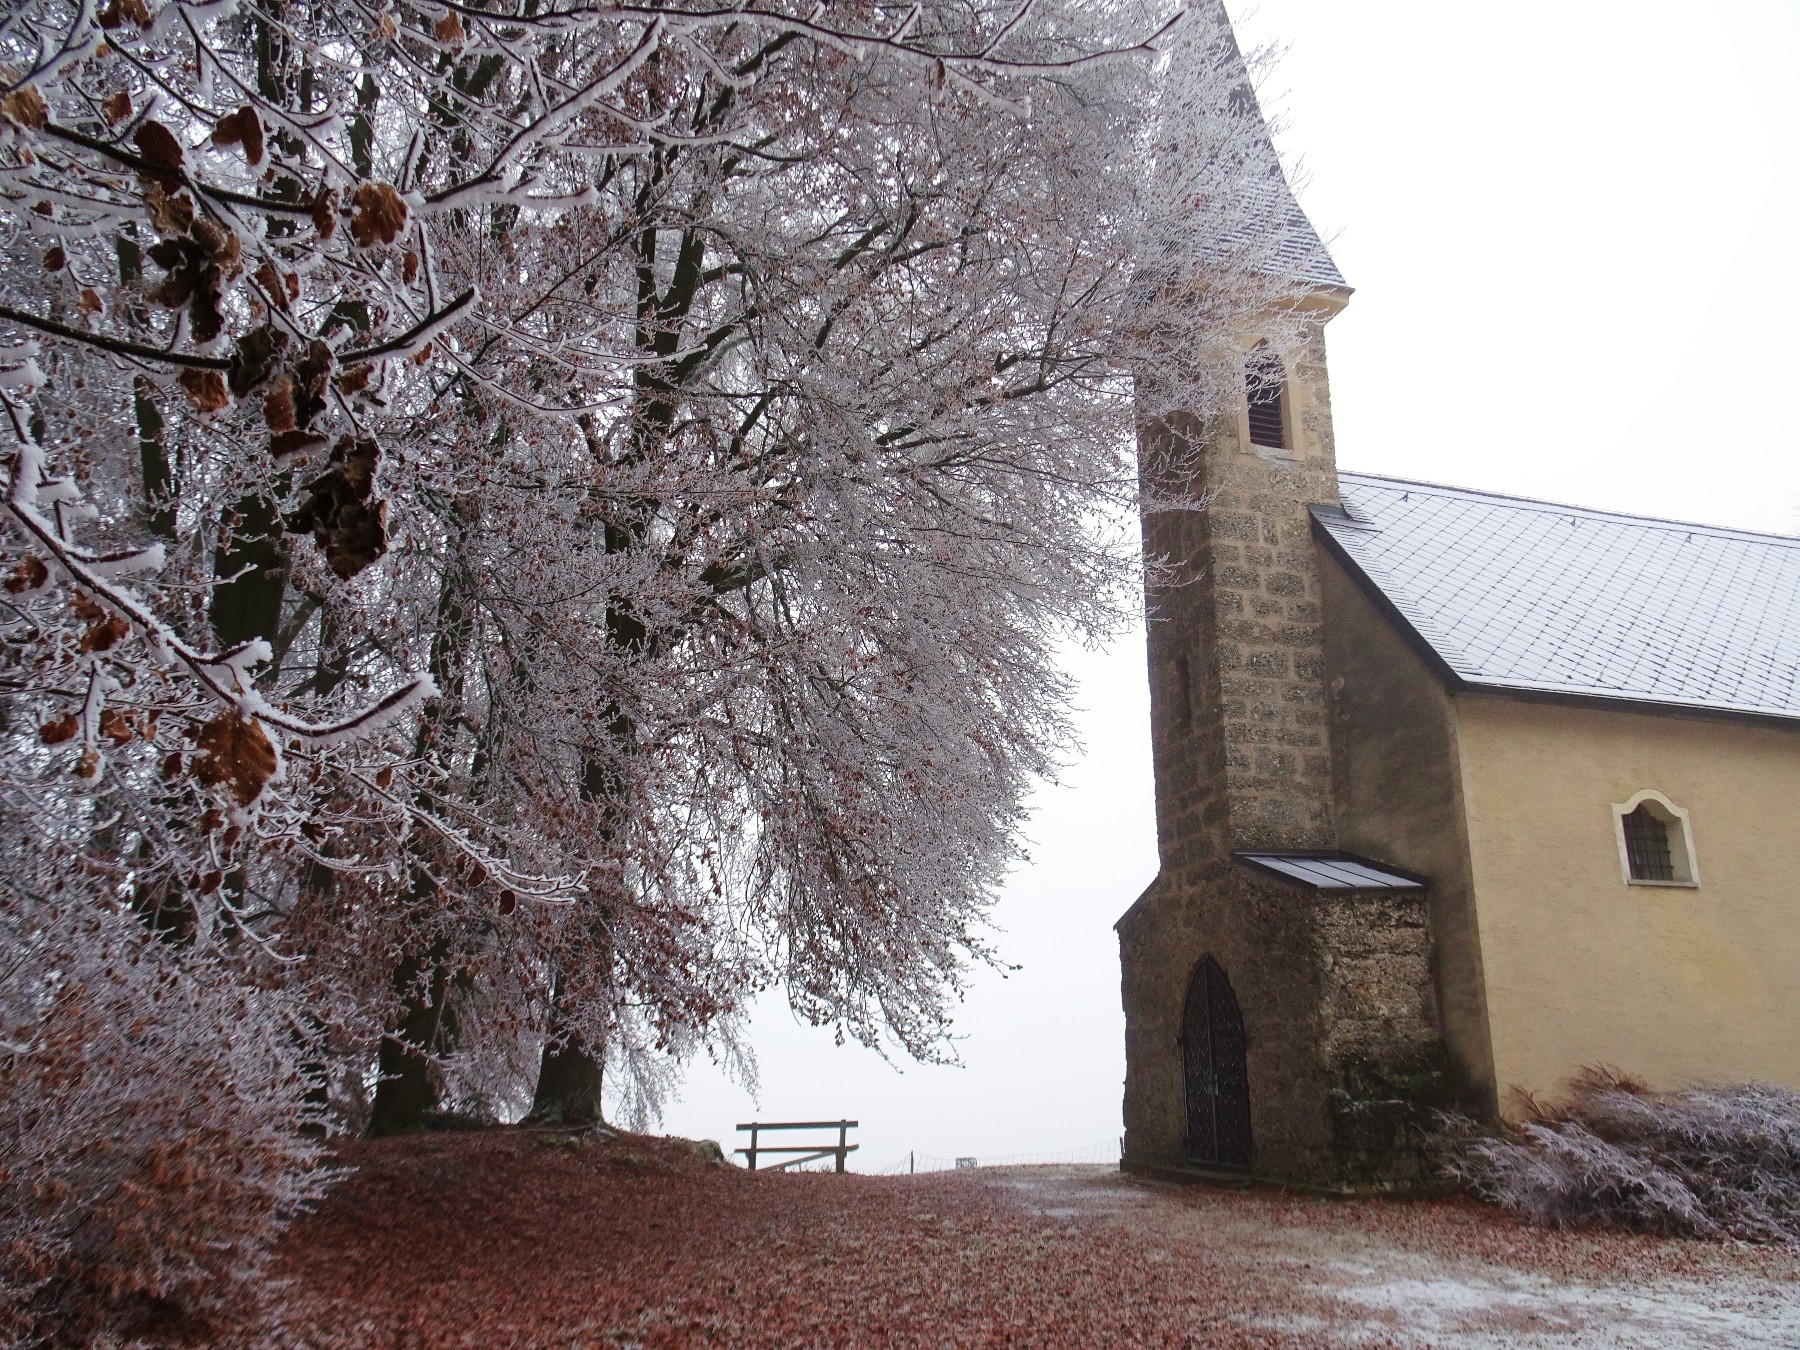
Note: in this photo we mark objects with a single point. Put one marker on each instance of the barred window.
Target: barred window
(1656, 841)
(1647, 846)
(1265, 388)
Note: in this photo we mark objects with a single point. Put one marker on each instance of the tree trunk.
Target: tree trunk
(568, 1086)
(406, 1090)
(254, 559)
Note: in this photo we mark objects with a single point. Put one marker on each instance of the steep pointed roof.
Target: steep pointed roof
(1269, 203)
(1509, 593)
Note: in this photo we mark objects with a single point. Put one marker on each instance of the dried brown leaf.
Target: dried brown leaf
(254, 358)
(244, 128)
(170, 213)
(118, 12)
(55, 259)
(235, 753)
(278, 406)
(325, 213)
(105, 635)
(25, 108)
(60, 729)
(268, 276)
(376, 213)
(212, 237)
(450, 29)
(340, 511)
(29, 574)
(157, 144)
(293, 442)
(206, 316)
(117, 726)
(205, 389)
(117, 107)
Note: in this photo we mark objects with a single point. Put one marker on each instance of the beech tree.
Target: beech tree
(532, 522)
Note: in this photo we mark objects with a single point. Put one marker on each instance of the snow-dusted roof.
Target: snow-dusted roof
(1527, 595)
(1267, 210)
(1298, 251)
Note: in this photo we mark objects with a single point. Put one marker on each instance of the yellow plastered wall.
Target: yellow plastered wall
(1674, 985)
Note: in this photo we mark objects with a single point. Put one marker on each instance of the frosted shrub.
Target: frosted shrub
(1721, 1161)
(150, 1142)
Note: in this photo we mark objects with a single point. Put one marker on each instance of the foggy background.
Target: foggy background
(1574, 237)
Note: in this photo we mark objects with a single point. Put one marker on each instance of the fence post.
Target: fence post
(912, 1162)
(753, 1148)
(843, 1138)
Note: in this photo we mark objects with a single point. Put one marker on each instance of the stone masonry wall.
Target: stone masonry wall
(1270, 649)
(1380, 1044)
(1336, 993)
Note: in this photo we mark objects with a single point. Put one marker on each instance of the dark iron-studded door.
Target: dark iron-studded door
(1218, 1077)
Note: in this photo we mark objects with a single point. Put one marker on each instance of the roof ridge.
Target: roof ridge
(1564, 508)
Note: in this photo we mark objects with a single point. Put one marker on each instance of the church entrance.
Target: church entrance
(1218, 1078)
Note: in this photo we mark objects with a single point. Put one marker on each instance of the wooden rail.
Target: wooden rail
(812, 1152)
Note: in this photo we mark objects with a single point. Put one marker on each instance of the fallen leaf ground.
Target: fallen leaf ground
(524, 1238)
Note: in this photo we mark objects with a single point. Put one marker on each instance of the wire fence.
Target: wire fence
(1106, 1151)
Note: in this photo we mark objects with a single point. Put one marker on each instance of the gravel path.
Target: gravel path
(514, 1238)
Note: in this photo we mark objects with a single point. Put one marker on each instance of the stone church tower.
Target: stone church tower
(1278, 993)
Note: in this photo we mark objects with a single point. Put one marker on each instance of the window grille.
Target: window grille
(1647, 846)
(1265, 389)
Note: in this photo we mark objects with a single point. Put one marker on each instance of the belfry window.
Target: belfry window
(1656, 842)
(1265, 390)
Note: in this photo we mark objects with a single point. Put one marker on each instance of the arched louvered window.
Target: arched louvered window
(1265, 389)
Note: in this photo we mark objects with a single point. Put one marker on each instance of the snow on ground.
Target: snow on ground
(1387, 1288)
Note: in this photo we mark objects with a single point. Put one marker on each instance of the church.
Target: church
(1456, 794)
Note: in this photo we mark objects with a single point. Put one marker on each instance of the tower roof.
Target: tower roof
(1268, 203)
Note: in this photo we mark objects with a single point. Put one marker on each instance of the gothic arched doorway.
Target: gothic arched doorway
(1214, 1064)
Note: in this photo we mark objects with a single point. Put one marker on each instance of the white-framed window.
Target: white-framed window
(1656, 841)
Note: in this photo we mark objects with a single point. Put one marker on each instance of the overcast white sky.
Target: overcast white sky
(1574, 233)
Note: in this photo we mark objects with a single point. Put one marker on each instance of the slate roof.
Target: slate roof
(1298, 251)
(1266, 209)
(1529, 595)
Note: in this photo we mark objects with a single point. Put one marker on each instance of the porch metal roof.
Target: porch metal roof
(1331, 871)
